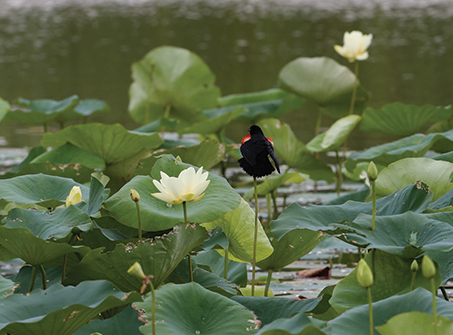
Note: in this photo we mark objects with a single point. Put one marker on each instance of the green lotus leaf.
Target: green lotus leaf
(70, 154)
(171, 82)
(92, 106)
(112, 143)
(272, 103)
(319, 79)
(272, 184)
(269, 309)
(206, 154)
(4, 108)
(60, 310)
(410, 170)
(32, 154)
(125, 322)
(239, 227)
(158, 257)
(44, 190)
(299, 324)
(49, 225)
(341, 106)
(42, 110)
(325, 218)
(412, 234)
(217, 119)
(398, 119)
(237, 272)
(445, 261)
(219, 199)
(23, 278)
(191, 309)
(293, 152)
(391, 274)
(290, 247)
(416, 323)
(334, 137)
(213, 282)
(7, 287)
(413, 146)
(418, 300)
(22, 243)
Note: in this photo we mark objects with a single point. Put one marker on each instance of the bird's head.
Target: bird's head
(255, 130)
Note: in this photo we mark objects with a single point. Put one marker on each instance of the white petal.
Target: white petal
(362, 56)
(367, 41)
(200, 188)
(165, 197)
(159, 186)
(175, 187)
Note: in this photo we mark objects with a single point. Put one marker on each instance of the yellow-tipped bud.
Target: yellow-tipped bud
(372, 172)
(428, 267)
(74, 197)
(414, 266)
(364, 274)
(134, 195)
(136, 270)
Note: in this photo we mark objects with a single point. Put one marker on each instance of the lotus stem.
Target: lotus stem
(137, 204)
(65, 259)
(225, 265)
(255, 236)
(33, 277)
(444, 293)
(373, 212)
(269, 211)
(274, 201)
(44, 277)
(45, 127)
(184, 206)
(434, 289)
(153, 307)
(268, 282)
(318, 123)
(354, 88)
(370, 310)
(339, 176)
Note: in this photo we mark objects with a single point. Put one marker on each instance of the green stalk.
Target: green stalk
(45, 127)
(274, 201)
(354, 89)
(255, 237)
(339, 175)
(44, 277)
(373, 213)
(434, 289)
(184, 206)
(413, 280)
(33, 277)
(137, 204)
(370, 310)
(268, 282)
(269, 211)
(65, 259)
(225, 265)
(153, 307)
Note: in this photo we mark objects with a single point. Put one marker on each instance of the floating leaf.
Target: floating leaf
(335, 136)
(191, 309)
(410, 170)
(413, 146)
(293, 152)
(173, 77)
(158, 257)
(319, 79)
(112, 143)
(47, 191)
(219, 199)
(239, 227)
(392, 276)
(398, 119)
(60, 310)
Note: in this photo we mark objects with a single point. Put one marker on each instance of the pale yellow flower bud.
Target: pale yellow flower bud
(74, 197)
(136, 270)
(364, 274)
(428, 267)
(135, 196)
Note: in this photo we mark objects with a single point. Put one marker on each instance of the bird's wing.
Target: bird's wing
(250, 149)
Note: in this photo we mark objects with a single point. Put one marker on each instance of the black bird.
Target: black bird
(258, 154)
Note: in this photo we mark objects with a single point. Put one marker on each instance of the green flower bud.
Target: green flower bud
(134, 195)
(372, 171)
(428, 267)
(364, 274)
(414, 266)
(136, 270)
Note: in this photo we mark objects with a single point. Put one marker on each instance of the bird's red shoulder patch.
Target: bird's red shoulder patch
(245, 139)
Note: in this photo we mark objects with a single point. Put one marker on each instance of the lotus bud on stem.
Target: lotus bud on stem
(365, 279)
(372, 176)
(137, 271)
(429, 272)
(135, 196)
(414, 269)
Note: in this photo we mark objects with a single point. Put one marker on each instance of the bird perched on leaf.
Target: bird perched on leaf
(258, 154)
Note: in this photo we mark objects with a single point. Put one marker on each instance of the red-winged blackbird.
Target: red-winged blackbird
(258, 154)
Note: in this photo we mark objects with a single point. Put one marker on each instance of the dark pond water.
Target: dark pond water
(53, 49)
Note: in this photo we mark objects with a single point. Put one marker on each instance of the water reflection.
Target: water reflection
(53, 49)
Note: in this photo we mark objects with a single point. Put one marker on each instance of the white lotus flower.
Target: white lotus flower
(74, 197)
(187, 187)
(354, 46)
